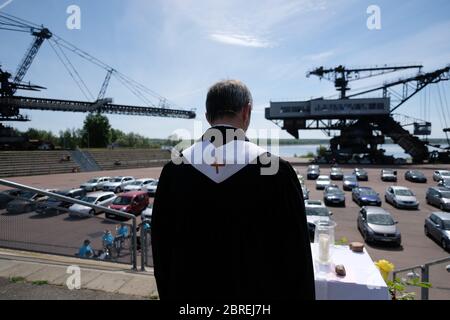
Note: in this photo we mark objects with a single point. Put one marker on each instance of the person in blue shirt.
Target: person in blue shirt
(122, 231)
(86, 250)
(107, 239)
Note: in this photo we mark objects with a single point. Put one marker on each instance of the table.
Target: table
(363, 280)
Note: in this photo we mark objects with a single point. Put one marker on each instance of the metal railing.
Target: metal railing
(425, 274)
(87, 204)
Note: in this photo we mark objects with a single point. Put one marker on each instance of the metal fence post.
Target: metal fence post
(425, 278)
(143, 247)
(134, 247)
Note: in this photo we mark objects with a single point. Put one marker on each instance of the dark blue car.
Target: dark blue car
(366, 196)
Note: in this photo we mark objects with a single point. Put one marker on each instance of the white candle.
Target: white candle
(324, 247)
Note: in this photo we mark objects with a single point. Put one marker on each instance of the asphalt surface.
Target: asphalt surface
(416, 248)
(59, 234)
(10, 290)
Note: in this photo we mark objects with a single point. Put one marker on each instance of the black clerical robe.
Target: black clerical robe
(238, 236)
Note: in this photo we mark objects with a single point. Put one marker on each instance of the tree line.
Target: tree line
(96, 133)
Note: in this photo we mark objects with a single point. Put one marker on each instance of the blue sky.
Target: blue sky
(178, 48)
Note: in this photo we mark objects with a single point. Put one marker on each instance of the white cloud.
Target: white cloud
(241, 40)
(321, 56)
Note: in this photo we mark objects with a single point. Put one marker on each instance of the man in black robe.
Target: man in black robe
(226, 225)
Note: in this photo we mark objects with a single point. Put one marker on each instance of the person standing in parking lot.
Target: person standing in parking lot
(228, 218)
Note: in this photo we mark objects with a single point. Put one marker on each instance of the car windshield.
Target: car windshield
(122, 200)
(117, 180)
(403, 192)
(26, 194)
(446, 225)
(368, 192)
(380, 219)
(360, 171)
(154, 183)
(317, 211)
(93, 181)
(89, 199)
(335, 191)
(445, 194)
(336, 170)
(350, 178)
(445, 174)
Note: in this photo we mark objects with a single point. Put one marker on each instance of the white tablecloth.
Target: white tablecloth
(362, 282)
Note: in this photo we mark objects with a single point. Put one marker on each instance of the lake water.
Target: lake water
(291, 150)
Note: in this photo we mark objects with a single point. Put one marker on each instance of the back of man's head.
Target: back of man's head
(226, 99)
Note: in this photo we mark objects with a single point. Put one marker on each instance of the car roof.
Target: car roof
(145, 179)
(364, 188)
(442, 215)
(99, 194)
(399, 188)
(314, 203)
(440, 189)
(131, 194)
(324, 176)
(375, 210)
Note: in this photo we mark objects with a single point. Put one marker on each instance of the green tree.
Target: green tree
(70, 139)
(43, 135)
(96, 131)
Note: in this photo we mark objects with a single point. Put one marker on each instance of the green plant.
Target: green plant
(341, 242)
(397, 288)
(16, 279)
(39, 282)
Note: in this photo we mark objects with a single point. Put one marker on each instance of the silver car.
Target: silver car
(118, 184)
(438, 175)
(444, 183)
(377, 225)
(322, 182)
(95, 184)
(389, 175)
(139, 184)
(315, 210)
(99, 198)
(439, 197)
(437, 226)
(401, 197)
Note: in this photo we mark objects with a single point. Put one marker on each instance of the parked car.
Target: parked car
(151, 188)
(437, 226)
(322, 182)
(439, 197)
(444, 183)
(147, 213)
(133, 202)
(350, 182)
(55, 206)
(301, 179)
(377, 225)
(415, 176)
(305, 192)
(28, 202)
(7, 196)
(118, 184)
(361, 174)
(313, 172)
(388, 175)
(332, 195)
(441, 174)
(95, 184)
(336, 173)
(99, 198)
(315, 210)
(401, 197)
(366, 196)
(139, 184)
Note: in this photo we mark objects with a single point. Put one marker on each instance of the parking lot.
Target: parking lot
(416, 247)
(65, 235)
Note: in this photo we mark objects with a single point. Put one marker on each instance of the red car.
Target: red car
(133, 202)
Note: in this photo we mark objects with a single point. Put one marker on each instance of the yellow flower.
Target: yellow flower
(385, 267)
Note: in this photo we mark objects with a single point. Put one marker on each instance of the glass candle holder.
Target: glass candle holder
(324, 239)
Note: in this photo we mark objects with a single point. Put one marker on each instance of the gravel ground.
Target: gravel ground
(28, 291)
